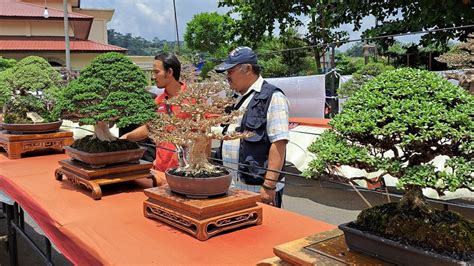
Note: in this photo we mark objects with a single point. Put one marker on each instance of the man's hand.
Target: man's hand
(268, 196)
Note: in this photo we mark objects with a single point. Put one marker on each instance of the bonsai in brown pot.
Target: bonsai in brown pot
(399, 122)
(111, 90)
(204, 106)
(29, 90)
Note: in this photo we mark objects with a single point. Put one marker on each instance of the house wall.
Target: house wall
(98, 31)
(33, 28)
(78, 60)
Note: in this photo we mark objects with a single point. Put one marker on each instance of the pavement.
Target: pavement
(321, 200)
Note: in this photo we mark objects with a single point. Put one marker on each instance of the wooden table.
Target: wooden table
(113, 230)
(17, 144)
(326, 248)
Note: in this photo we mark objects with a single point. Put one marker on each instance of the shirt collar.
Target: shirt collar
(256, 86)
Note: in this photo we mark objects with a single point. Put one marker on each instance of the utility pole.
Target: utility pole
(176, 23)
(66, 37)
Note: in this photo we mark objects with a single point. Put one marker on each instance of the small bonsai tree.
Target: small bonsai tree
(29, 86)
(462, 57)
(399, 122)
(204, 107)
(111, 90)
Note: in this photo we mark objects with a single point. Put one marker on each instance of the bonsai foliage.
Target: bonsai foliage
(462, 57)
(109, 91)
(399, 122)
(362, 76)
(202, 107)
(31, 85)
(411, 115)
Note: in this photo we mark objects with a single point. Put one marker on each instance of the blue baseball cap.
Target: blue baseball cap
(240, 55)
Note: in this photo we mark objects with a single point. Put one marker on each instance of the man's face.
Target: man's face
(237, 78)
(160, 75)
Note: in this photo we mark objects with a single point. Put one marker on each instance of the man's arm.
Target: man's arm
(276, 159)
(140, 133)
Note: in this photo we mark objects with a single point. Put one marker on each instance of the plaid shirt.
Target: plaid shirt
(277, 129)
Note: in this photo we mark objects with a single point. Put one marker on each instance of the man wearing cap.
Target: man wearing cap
(266, 114)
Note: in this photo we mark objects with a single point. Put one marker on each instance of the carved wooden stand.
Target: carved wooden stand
(17, 144)
(92, 178)
(203, 218)
(326, 248)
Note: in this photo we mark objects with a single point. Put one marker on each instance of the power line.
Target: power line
(365, 39)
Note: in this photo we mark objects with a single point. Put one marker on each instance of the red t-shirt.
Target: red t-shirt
(166, 159)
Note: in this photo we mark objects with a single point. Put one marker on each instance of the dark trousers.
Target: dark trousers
(279, 198)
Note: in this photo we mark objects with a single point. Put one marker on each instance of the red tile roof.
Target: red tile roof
(26, 10)
(14, 43)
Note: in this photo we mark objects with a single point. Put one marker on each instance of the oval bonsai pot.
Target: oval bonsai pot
(198, 187)
(393, 251)
(104, 158)
(32, 128)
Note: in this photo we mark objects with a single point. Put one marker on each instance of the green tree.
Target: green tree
(395, 17)
(109, 91)
(6, 63)
(366, 73)
(279, 58)
(414, 115)
(209, 33)
(32, 86)
(260, 17)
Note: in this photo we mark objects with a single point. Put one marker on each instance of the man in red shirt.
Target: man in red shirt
(166, 73)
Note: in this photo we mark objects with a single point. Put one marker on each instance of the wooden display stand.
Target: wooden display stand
(203, 218)
(17, 144)
(92, 178)
(326, 248)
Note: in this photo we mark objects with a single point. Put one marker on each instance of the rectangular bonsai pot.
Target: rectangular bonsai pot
(104, 158)
(392, 251)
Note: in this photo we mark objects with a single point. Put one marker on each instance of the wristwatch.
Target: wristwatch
(268, 188)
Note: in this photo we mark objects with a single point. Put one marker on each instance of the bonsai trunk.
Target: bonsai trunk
(414, 199)
(102, 131)
(198, 156)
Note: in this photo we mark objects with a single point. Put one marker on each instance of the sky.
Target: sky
(155, 18)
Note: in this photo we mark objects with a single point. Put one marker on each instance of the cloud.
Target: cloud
(153, 18)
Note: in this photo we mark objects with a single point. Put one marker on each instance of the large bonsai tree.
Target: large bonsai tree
(111, 90)
(462, 56)
(399, 122)
(361, 76)
(203, 107)
(29, 86)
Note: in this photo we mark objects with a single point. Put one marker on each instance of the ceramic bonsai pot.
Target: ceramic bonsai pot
(194, 187)
(104, 158)
(32, 128)
(392, 251)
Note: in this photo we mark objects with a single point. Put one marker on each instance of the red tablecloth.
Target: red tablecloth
(113, 230)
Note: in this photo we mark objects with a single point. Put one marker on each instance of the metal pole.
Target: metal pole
(66, 36)
(176, 23)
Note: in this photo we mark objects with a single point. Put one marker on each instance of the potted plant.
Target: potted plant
(462, 56)
(205, 107)
(399, 122)
(29, 91)
(111, 90)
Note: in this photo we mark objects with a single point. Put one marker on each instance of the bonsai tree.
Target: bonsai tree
(361, 76)
(111, 90)
(462, 57)
(204, 108)
(31, 85)
(399, 122)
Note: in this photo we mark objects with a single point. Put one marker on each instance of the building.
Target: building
(25, 31)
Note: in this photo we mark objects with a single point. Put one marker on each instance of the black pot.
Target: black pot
(392, 251)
